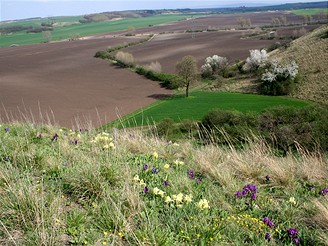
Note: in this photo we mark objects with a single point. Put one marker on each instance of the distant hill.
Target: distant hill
(310, 52)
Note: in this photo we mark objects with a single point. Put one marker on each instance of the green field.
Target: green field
(64, 32)
(310, 11)
(199, 103)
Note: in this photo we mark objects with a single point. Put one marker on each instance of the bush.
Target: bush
(214, 65)
(154, 67)
(125, 58)
(103, 54)
(187, 126)
(165, 127)
(279, 79)
(257, 59)
(169, 81)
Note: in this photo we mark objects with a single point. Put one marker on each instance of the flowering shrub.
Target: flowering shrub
(213, 65)
(279, 78)
(257, 59)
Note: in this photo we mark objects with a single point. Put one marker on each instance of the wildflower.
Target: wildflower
(105, 233)
(166, 166)
(104, 243)
(198, 180)
(155, 155)
(191, 174)
(267, 178)
(40, 136)
(253, 196)
(268, 236)
(324, 191)
(106, 146)
(188, 198)
(178, 163)
(292, 232)
(111, 145)
(146, 189)
(161, 193)
(145, 167)
(154, 170)
(166, 183)
(74, 141)
(203, 204)
(120, 234)
(178, 198)
(296, 241)
(238, 194)
(142, 183)
(292, 200)
(55, 137)
(136, 178)
(168, 199)
(6, 129)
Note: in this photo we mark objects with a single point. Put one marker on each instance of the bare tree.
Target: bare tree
(187, 69)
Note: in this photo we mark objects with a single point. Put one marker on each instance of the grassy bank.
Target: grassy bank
(315, 11)
(199, 103)
(61, 187)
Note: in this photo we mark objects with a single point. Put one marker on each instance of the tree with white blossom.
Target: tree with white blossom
(257, 58)
(213, 65)
(279, 78)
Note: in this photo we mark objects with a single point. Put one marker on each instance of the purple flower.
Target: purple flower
(40, 136)
(324, 191)
(6, 158)
(253, 196)
(266, 220)
(145, 167)
(191, 174)
(154, 170)
(238, 194)
(268, 236)
(55, 137)
(198, 180)
(146, 189)
(267, 178)
(74, 141)
(292, 232)
(243, 193)
(270, 223)
(296, 241)
(166, 183)
(6, 129)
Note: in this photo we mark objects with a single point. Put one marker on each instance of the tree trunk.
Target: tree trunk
(187, 89)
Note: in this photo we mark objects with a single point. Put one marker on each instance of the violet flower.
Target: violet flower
(324, 191)
(6, 129)
(145, 167)
(146, 189)
(191, 174)
(166, 183)
(154, 170)
(292, 232)
(268, 236)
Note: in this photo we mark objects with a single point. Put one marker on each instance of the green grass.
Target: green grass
(310, 11)
(89, 188)
(59, 33)
(199, 103)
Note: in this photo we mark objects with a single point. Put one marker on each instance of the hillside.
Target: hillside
(310, 52)
(63, 187)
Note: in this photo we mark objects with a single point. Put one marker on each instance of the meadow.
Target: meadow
(199, 103)
(86, 29)
(314, 11)
(121, 187)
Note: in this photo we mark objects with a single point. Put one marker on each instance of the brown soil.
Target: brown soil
(169, 48)
(65, 78)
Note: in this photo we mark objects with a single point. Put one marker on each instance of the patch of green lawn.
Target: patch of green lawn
(199, 103)
(315, 11)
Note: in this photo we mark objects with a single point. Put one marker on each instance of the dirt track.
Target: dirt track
(65, 78)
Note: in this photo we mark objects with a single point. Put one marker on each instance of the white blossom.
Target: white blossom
(257, 59)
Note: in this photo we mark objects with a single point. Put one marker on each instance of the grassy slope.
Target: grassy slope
(310, 52)
(59, 192)
(65, 32)
(199, 103)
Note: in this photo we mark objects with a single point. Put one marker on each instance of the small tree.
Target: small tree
(257, 58)
(214, 65)
(187, 69)
(47, 36)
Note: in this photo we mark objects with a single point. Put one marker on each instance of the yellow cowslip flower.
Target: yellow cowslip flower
(105, 233)
(120, 234)
(168, 199)
(179, 205)
(136, 178)
(179, 198)
(155, 155)
(178, 163)
(188, 198)
(203, 204)
(142, 183)
(106, 146)
(292, 200)
(111, 144)
(161, 193)
(175, 144)
(104, 243)
(156, 190)
(166, 166)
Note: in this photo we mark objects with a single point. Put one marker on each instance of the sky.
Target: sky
(21, 9)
